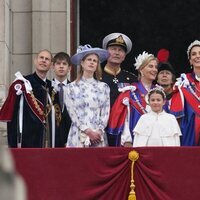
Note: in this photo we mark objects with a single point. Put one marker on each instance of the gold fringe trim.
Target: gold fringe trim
(133, 156)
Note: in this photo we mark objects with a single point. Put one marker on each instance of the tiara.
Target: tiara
(141, 58)
(157, 88)
(195, 43)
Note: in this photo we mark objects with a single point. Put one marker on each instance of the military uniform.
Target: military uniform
(112, 73)
(114, 81)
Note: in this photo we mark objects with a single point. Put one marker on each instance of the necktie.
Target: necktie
(61, 94)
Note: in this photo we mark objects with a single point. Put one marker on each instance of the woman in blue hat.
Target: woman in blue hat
(88, 100)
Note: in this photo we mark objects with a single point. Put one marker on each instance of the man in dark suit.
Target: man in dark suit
(61, 67)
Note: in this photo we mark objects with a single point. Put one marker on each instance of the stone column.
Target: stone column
(49, 25)
(26, 27)
(4, 58)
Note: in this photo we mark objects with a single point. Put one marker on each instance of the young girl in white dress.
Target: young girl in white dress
(157, 128)
(88, 100)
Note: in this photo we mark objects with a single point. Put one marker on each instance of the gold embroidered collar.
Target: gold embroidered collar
(109, 71)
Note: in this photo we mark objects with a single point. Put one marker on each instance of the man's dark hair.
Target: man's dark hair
(62, 56)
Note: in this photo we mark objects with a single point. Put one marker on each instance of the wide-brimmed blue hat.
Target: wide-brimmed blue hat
(82, 51)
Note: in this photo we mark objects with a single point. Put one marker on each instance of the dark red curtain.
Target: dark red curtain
(161, 173)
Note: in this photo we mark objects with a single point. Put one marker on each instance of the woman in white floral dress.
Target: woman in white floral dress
(88, 100)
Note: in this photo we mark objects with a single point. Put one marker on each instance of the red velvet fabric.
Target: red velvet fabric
(161, 173)
(7, 110)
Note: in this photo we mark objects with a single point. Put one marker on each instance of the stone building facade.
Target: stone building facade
(26, 27)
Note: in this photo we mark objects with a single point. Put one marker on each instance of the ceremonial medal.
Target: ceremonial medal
(115, 80)
(113, 72)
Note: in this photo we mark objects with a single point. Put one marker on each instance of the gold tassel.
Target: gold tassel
(133, 156)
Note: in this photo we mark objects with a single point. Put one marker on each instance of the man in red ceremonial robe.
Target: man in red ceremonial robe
(27, 107)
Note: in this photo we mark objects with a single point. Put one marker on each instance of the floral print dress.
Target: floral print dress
(88, 104)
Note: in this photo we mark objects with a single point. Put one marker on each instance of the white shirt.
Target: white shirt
(55, 84)
(157, 129)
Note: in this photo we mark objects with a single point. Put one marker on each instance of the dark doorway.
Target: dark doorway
(151, 25)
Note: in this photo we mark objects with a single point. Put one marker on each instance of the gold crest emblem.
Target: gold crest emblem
(120, 40)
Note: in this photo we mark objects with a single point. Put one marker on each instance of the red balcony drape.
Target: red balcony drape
(160, 173)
